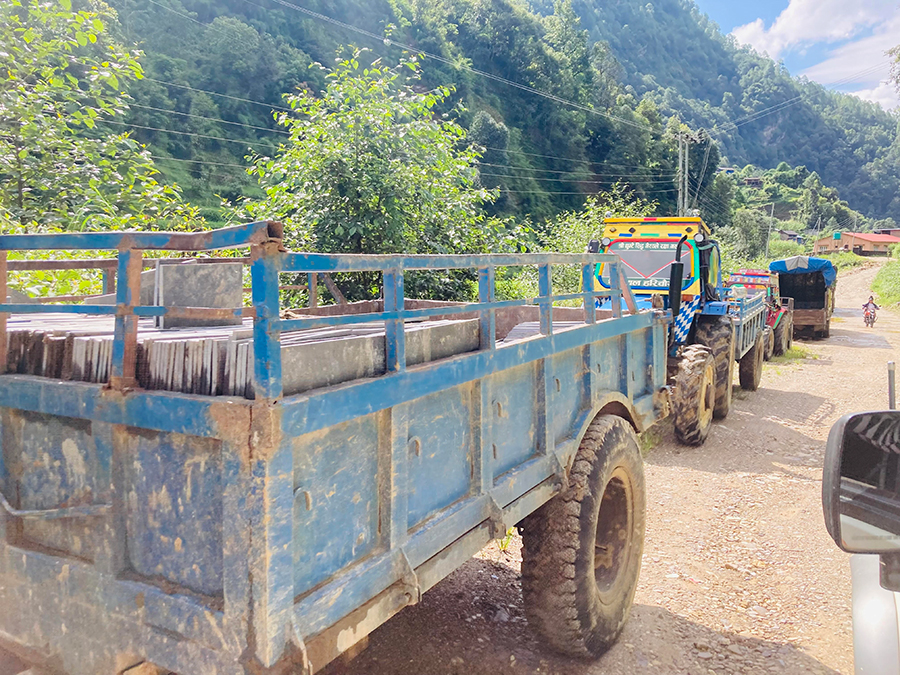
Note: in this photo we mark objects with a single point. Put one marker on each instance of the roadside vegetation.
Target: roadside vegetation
(887, 284)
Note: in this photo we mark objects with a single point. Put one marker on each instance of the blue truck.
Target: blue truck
(269, 528)
(674, 263)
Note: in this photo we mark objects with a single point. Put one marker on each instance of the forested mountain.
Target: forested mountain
(617, 76)
(673, 53)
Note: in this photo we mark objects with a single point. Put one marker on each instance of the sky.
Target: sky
(839, 43)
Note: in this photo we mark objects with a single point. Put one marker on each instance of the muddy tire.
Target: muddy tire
(582, 550)
(784, 335)
(694, 397)
(718, 335)
(768, 343)
(750, 369)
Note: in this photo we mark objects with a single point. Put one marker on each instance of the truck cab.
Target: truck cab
(647, 248)
(673, 264)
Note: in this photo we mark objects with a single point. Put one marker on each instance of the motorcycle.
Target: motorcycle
(869, 318)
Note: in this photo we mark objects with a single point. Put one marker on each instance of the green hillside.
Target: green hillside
(616, 77)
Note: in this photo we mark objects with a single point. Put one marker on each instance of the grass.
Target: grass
(795, 353)
(887, 283)
(649, 440)
(845, 260)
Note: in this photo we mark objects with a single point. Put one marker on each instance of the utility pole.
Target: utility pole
(771, 222)
(681, 174)
(685, 138)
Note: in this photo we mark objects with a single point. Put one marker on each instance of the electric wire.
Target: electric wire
(187, 133)
(456, 64)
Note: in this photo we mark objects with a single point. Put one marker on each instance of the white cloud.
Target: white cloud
(862, 66)
(806, 22)
(884, 94)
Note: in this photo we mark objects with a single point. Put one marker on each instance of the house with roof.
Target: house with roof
(790, 235)
(861, 243)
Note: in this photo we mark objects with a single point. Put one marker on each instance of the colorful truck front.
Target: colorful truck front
(674, 263)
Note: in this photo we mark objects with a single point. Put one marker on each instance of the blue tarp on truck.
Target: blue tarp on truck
(801, 264)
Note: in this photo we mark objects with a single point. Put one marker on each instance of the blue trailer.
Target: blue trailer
(272, 531)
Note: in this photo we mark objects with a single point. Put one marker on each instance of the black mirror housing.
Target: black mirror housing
(861, 482)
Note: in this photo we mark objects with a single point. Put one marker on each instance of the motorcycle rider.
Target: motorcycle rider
(870, 306)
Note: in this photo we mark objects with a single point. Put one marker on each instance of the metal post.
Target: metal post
(3, 315)
(590, 301)
(264, 269)
(395, 338)
(892, 388)
(128, 295)
(545, 288)
(486, 293)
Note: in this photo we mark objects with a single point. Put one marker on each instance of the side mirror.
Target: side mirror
(593, 246)
(861, 483)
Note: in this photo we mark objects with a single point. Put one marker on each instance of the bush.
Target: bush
(887, 284)
(845, 260)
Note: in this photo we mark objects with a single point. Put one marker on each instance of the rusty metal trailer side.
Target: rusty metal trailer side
(225, 535)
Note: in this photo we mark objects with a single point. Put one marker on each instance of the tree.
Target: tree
(748, 234)
(61, 80)
(370, 168)
(895, 68)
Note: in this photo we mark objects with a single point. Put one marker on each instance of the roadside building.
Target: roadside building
(861, 243)
(790, 235)
(892, 231)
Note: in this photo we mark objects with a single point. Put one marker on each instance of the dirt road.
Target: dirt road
(739, 575)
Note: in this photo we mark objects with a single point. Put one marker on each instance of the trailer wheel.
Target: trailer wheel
(582, 550)
(750, 370)
(784, 334)
(718, 335)
(694, 398)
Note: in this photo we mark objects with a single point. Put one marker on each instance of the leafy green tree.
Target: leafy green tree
(747, 236)
(371, 168)
(718, 203)
(61, 81)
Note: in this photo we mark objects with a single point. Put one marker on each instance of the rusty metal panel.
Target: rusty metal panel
(440, 446)
(336, 499)
(173, 508)
(569, 393)
(514, 417)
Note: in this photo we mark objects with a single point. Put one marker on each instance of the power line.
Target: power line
(531, 168)
(210, 119)
(575, 180)
(186, 133)
(215, 93)
(741, 121)
(457, 65)
(169, 9)
(200, 161)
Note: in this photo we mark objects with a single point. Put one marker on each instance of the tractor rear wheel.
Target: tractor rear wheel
(718, 335)
(694, 398)
(784, 335)
(750, 370)
(768, 343)
(581, 551)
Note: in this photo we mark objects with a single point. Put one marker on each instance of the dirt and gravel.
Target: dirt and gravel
(738, 576)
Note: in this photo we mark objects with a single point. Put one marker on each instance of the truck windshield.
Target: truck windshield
(647, 262)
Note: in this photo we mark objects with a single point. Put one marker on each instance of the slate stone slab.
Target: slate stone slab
(198, 285)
